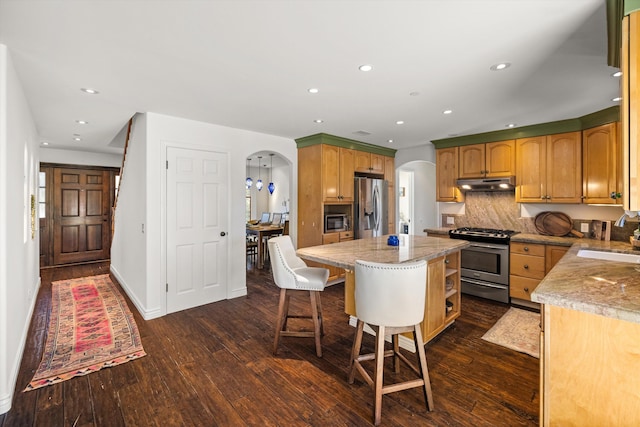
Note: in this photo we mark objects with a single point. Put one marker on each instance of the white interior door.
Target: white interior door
(197, 224)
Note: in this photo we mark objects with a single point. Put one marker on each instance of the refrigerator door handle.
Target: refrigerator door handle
(376, 208)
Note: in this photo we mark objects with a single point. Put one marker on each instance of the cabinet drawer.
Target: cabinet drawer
(330, 238)
(527, 249)
(521, 287)
(346, 235)
(527, 266)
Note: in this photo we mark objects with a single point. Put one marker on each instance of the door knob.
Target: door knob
(222, 233)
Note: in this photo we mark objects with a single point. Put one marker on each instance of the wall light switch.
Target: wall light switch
(450, 220)
(584, 227)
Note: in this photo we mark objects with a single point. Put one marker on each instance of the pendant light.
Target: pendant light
(259, 182)
(249, 181)
(271, 186)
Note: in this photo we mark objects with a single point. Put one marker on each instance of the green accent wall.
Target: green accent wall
(598, 118)
(324, 138)
(631, 6)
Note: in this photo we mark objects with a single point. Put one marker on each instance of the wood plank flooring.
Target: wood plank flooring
(213, 366)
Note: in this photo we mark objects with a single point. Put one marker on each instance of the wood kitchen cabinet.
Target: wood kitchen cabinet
(447, 175)
(389, 176)
(490, 160)
(337, 174)
(442, 306)
(588, 369)
(602, 165)
(549, 169)
(630, 110)
(335, 273)
(369, 162)
(528, 264)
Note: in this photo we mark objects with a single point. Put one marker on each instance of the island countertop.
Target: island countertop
(375, 249)
(606, 288)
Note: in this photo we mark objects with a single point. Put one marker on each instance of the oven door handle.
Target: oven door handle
(475, 245)
(481, 283)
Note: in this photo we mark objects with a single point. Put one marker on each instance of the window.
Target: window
(42, 195)
(247, 207)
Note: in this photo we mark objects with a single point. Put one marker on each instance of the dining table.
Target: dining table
(262, 231)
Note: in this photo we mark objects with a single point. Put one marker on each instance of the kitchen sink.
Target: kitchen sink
(609, 256)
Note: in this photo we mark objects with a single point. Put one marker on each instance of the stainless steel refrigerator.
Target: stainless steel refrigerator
(370, 217)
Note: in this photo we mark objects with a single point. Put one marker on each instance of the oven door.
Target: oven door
(488, 262)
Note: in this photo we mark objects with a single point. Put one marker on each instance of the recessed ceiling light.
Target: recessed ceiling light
(313, 90)
(511, 125)
(45, 143)
(400, 122)
(617, 74)
(318, 121)
(500, 66)
(447, 112)
(365, 67)
(77, 138)
(82, 122)
(390, 141)
(89, 90)
(617, 99)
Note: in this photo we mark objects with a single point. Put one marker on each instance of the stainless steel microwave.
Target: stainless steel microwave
(335, 222)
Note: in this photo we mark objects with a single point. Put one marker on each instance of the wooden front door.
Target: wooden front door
(81, 215)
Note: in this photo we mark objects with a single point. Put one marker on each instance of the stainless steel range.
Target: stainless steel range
(485, 262)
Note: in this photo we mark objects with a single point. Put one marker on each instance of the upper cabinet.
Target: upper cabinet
(630, 109)
(389, 176)
(447, 174)
(337, 174)
(602, 165)
(548, 169)
(490, 160)
(369, 162)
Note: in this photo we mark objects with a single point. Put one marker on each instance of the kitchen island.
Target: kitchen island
(443, 272)
(590, 339)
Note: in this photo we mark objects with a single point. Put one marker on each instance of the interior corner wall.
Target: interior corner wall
(129, 243)
(163, 131)
(19, 251)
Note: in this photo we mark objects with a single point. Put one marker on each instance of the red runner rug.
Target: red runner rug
(90, 328)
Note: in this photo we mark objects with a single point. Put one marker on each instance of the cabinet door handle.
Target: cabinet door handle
(526, 248)
(526, 266)
(526, 290)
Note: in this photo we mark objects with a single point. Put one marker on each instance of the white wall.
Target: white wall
(162, 131)
(19, 252)
(421, 161)
(85, 158)
(129, 244)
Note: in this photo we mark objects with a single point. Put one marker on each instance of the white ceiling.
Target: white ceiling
(248, 64)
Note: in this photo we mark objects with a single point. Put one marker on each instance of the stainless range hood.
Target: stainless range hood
(487, 184)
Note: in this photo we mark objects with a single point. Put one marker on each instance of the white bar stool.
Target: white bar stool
(291, 273)
(390, 298)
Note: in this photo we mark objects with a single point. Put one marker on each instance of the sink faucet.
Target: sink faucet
(620, 222)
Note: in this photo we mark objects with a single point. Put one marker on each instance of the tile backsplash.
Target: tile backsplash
(499, 210)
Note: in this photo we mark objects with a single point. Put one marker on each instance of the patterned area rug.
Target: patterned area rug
(518, 330)
(90, 328)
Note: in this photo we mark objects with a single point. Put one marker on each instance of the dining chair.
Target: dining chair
(390, 298)
(290, 273)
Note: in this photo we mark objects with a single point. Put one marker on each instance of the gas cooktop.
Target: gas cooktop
(482, 234)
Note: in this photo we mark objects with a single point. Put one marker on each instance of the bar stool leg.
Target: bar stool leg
(379, 371)
(282, 316)
(355, 350)
(317, 322)
(424, 371)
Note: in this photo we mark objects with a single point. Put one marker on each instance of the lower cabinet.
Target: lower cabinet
(589, 368)
(529, 263)
(335, 273)
(442, 304)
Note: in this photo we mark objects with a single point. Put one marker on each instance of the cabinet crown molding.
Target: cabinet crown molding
(609, 115)
(338, 141)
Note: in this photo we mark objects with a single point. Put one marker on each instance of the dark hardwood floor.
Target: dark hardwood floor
(213, 366)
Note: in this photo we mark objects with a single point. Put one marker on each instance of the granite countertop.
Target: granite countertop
(546, 240)
(437, 230)
(375, 249)
(606, 288)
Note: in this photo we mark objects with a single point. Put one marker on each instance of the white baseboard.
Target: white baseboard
(5, 401)
(144, 312)
(403, 341)
(235, 293)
